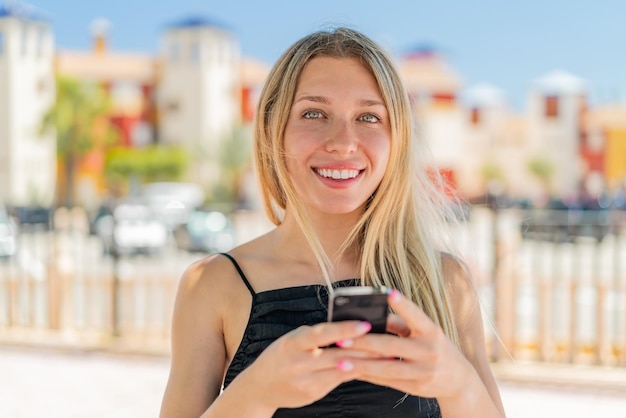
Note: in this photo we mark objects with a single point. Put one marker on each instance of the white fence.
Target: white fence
(547, 301)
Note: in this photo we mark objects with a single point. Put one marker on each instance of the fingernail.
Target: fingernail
(345, 365)
(345, 343)
(394, 295)
(363, 327)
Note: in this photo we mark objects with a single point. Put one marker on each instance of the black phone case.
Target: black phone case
(372, 308)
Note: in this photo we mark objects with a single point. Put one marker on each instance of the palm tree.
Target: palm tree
(543, 169)
(491, 173)
(79, 119)
(233, 157)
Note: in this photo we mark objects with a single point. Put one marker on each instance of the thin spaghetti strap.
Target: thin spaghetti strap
(243, 276)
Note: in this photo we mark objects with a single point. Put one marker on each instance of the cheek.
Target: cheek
(379, 152)
(292, 165)
(299, 144)
(295, 157)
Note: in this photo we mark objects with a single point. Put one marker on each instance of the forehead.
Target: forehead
(334, 72)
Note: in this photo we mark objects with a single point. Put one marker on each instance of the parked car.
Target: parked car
(8, 234)
(94, 218)
(562, 221)
(205, 232)
(132, 229)
(33, 217)
(172, 202)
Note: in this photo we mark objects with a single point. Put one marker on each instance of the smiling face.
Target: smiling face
(337, 139)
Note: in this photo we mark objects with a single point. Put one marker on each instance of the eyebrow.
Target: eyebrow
(324, 100)
(317, 99)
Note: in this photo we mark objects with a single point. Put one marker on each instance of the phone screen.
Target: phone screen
(362, 303)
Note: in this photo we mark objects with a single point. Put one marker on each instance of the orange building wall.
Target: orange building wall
(615, 156)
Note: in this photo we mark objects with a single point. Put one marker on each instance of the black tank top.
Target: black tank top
(276, 312)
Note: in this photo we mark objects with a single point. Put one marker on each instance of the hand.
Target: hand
(294, 371)
(419, 359)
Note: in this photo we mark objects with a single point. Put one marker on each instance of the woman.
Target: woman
(334, 149)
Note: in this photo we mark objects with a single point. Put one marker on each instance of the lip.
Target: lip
(342, 166)
(338, 183)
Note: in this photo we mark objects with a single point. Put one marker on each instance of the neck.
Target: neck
(331, 230)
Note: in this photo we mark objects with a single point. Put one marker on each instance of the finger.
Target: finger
(413, 315)
(389, 346)
(327, 333)
(343, 371)
(336, 359)
(344, 353)
(392, 373)
(397, 326)
(386, 370)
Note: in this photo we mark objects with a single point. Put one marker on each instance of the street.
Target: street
(62, 384)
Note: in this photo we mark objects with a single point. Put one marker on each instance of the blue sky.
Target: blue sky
(504, 43)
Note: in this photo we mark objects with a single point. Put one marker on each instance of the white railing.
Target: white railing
(548, 301)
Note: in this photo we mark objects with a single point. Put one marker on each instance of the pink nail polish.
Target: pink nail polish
(345, 365)
(345, 343)
(394, 295)
(363, 327)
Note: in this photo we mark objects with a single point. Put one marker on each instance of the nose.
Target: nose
(342, 139)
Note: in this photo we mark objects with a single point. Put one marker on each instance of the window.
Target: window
(443, 99)
(41, 41)
(24, 41)
(194, 52)
(551, 107)
(41, 86)
(172, 106)
(141, 134)
(126, 95)
(475, 116)
(596, 140)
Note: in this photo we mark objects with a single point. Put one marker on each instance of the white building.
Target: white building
(433, 89)
(199, 91)
(27, 159)
(495, 150)
(556, 106)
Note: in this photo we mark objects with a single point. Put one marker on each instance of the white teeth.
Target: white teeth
(337, 174)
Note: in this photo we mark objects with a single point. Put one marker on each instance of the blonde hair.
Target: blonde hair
(399, 235)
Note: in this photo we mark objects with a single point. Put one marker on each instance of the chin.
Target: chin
(338, 210)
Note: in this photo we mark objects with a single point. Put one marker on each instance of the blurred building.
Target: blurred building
(198, 89)
(496, 144)
(556, 106)
(604, 149)
(27, 89)
(433, 89)
(130, 80)
(481, 145)
(193, 93)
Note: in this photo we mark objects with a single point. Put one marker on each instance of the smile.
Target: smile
(337, 174)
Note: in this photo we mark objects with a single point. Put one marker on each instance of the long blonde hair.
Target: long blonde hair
(399, 236)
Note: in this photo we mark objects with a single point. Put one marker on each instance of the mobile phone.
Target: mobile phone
(364, 303)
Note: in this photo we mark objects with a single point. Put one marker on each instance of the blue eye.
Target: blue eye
(312, 114)
(370, 118)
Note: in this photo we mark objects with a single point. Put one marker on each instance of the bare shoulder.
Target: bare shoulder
(207, 278)
(462, 292)
(209, 294)
(466, 308)
(198, 352)
(465, 303)
(200, 300)
(457, 276)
